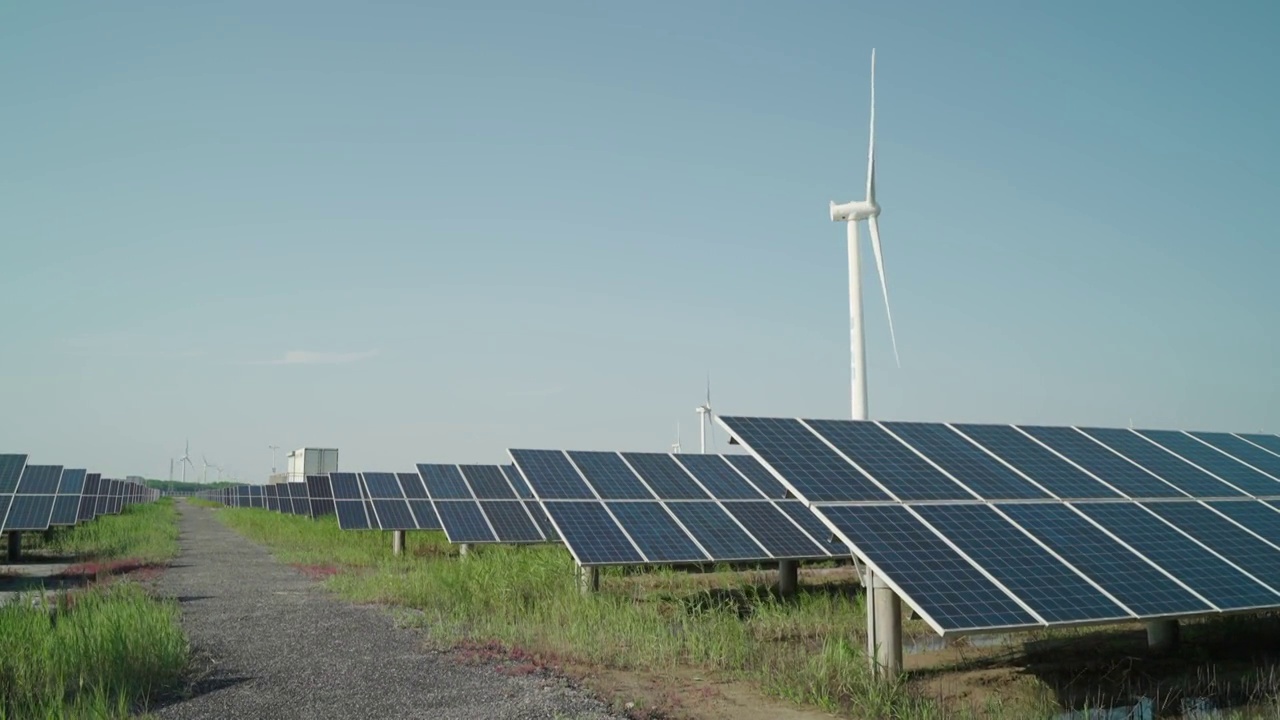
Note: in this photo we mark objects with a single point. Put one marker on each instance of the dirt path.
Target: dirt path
(269, 643)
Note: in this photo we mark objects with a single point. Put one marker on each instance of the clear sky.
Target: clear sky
(432, 231)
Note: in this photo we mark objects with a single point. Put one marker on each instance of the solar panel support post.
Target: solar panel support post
(463, 549)
(1162, 635)
(15, 546)
(884, 627)
(788, 577)
(397, 542)
(588, 579)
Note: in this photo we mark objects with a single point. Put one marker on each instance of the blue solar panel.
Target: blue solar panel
(5, 502)
(980, 472)
(1197, 568)
(592, 536)
(1118, 472)
(814, 470)
(65, 509)
(1260, 518)
(932, 577)
(716, 475)
(1224, 537)
(1243, 450)
(382, 485)
(352, 514)
(463, 521)
(774, 530)
(813, 526)
(444, 482)
(510, 521)
(40, 480)
(551, 475)
(1270, 443)
(1036, 462)
(894, 465)
(29, 512)
(1129, 578)
(665, 476)
(1054, 591)
(656, 533)
(10, 470)
(393, 514)
(412, 485)
(517, 481)
(346, 486)
(1177, 472)
(72, 482)
(1223, 467)
(717, 531)
(758, 474)
(540, 518)
(488, 482)
(424, 514)
(610, 477)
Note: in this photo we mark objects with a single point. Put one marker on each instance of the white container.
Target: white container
(311, 461)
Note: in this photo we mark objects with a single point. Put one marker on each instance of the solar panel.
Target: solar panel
(894, 465)
(591, 534)
(511, 521)
(813, 469)
(1209, 575)
(946, 590)
(1247, 551)
(478, 505)
(610, 476)
(1175, 471)
(352, 514)
(321, 495)
(1049, 587)
(1261, 519)
(757, 474)
(444, 482)
(719, 478)
(66, 505)
(1127, 477)
(39, 480)
(1242, 450)
(29, 512)
(10, 471)
(382, 485)
(984, 475)
(1270, 443)
(717, 531)
(665, 476)
(271, 497)
(656, 533)
(1211, 461)
(774, 530)
(487, 482)
(463, 522)
(1049, 470)
(517, 481)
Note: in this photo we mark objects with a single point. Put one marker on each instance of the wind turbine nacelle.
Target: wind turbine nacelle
(853, 211)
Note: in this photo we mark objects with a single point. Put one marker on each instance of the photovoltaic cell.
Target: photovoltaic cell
(463, 521)
(1270, 443)
(931, 576)
(444, 482)
(716, 531)
(1044, 583)
(412, 485)
(1260, 518)
(72, 482)
(320, 494)
(814, 470)
(540, 518)
(510, 521)
(517, 481)
(656, 533)
(716, 475)
(774, 530)
(65, 508)
(1130, 579)
(884, 458)
(1242, 450)
(29, 512)
(40, 480)
(424, 514)
(10, 471)
(1159, 461)
(487, 482)
(758, 474)
(1212, 461)
(610, 477)
(394, 514)
(812, 525)
(1197, 568)
(668, 480)
(551, 475)
(352, 514)
(1126, 477)
(1036, 462)
(1224, 537)
(382, 485)
(591, 534)
(980, 472)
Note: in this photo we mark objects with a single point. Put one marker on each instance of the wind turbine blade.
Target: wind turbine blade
(871, 150)
(874, 222)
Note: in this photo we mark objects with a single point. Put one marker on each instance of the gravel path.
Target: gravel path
(269, 643)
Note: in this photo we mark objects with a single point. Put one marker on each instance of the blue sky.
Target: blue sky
(432, 231)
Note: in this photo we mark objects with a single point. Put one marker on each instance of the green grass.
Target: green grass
(810, 649)
(147, 532)
(100, 652)
(97, 653)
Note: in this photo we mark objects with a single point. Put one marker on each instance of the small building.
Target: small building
(277, 478)
(311, 461)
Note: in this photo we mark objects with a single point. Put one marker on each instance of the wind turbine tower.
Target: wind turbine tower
(704, 419)
(884, 617)
(185, 460)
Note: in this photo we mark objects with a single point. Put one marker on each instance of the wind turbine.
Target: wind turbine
(205, 470)
(704, 418)
(851, 213)
(675, 446)
(185, 460)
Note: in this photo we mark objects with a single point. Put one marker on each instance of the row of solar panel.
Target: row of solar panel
(841, 461)
(37, 497)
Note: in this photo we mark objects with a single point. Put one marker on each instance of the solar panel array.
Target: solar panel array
(34, 498)
(655, 508)
(995, 527)
(484, 504)
(291, 498)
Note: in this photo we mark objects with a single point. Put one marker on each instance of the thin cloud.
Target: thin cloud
(310, 357)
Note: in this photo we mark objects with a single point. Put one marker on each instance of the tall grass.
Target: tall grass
(809, 649)
(147, 532)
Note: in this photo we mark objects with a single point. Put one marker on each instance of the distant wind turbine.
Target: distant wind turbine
(185, 460)
(675, 446)
(851, 213)
(704, 419)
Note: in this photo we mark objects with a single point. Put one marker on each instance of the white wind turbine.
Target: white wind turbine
(675, 446)
(851, 213)
(185, 460)
(704, 418)
(205, 470)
